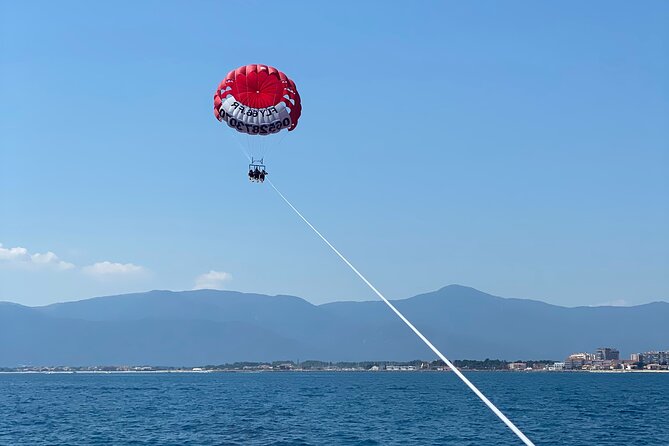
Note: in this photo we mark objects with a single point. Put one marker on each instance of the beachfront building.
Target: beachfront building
(556, 367)
(517, 366)
(400, 368)
(652, 357)
(604, 358)
(576, 361)
(607, 354)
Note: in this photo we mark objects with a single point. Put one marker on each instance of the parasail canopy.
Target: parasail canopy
(257, 100)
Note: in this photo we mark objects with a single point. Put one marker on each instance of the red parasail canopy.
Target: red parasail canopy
(248, 97)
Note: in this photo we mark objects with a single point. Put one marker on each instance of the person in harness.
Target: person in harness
(257, 172)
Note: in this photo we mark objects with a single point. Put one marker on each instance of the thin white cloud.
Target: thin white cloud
(213, 280)
(112, 269)
(13, 254)
(19, 256)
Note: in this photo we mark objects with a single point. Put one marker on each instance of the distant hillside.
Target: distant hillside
(213, 327)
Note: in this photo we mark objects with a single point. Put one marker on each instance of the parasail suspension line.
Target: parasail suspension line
(427, 342)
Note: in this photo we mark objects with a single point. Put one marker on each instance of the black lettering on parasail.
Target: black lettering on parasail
(255, 129)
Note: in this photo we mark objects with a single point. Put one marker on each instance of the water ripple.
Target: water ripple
(330, 408)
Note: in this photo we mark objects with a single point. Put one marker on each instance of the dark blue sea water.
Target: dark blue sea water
(331, 408)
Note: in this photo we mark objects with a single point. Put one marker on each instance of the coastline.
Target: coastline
(129, 372)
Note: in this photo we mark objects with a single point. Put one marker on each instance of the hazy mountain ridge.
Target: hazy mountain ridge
(209, 326)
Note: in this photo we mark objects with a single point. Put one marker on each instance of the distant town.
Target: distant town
(607, 358)
(603, 359)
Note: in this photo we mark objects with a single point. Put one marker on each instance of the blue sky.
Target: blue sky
(522, 150)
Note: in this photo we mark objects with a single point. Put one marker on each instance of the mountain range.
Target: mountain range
(214, 327)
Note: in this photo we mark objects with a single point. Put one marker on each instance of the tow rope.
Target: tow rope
(427, 342)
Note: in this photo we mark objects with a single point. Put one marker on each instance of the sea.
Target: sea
(332, 408)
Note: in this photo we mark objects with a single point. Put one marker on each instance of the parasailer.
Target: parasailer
(259, 101)
(257, 171)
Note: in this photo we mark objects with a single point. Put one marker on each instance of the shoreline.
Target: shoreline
(130, 372)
